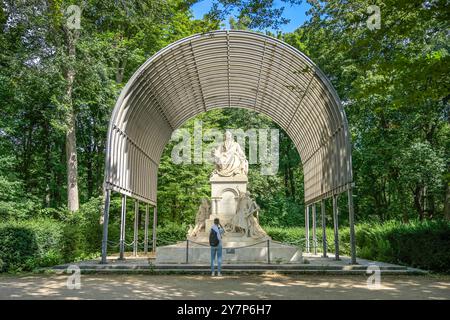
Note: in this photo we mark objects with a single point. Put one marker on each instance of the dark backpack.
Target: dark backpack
(213, 239)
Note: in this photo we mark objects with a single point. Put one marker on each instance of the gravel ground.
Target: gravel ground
(94, 286)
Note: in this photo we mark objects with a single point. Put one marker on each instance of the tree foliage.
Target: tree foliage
(393, 83)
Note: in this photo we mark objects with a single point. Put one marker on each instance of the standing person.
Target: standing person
(215, 241)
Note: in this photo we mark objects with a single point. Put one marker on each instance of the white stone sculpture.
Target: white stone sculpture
(244, 221)
(230, 201)
(200, 219)
(229, 158)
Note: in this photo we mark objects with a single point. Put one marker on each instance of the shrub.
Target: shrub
(89, 232)
(171, 233)
(294, 236)
(45, 241)
(25, 245)
(418, 244)
(41, 242)
(424, 245)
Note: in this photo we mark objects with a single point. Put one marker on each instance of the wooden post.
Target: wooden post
(123, 217)
(351, 219)
(324, 228)
(105, 226)
(336, 227)
(146, 230)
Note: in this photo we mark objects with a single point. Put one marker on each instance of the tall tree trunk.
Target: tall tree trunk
(71, 139)
(27, 157)
(72, 166)
(89, 169)
(99, 166)
(59, 174)
(48, 178)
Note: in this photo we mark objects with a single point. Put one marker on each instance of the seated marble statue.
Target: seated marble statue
(202, 214)
(229, 158)
(244, 221)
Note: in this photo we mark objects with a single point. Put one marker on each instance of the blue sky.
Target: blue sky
(297, 13)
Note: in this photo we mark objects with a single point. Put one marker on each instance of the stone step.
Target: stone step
(194, 267)
(276, 267)
(207, 271)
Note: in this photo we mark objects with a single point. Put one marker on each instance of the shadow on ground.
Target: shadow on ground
(227, 287)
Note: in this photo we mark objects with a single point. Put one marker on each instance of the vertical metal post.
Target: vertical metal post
(268, 251)
(146, 230)
(123, 216)
(105, 226)
(187, 251)
(336, 227)
(351, 214)
(136, 228)
(307, 227)
(155, 214)
(314, 235)
(324, 228)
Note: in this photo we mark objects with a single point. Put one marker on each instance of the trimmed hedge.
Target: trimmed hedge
(424, 245)
(47, 241)
(25, 245)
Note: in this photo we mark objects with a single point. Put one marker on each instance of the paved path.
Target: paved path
(228, 287)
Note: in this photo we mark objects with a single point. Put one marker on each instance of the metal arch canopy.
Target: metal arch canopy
(225, 69)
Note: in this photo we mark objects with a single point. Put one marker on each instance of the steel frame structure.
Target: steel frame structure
(226, 69)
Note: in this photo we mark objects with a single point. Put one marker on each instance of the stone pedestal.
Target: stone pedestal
(257, 253)
(224, 195)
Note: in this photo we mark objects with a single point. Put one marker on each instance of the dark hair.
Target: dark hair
(216, 221)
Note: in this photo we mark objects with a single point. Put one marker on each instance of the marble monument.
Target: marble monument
(230, 201)
(244, 241)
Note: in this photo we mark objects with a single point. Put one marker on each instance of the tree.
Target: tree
(421, 170)
(391, 83)
(59, 85)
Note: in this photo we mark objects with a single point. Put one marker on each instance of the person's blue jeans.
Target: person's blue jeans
(216, 251)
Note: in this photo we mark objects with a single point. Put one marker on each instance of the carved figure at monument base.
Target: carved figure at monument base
(203, 213)
(245, 221)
